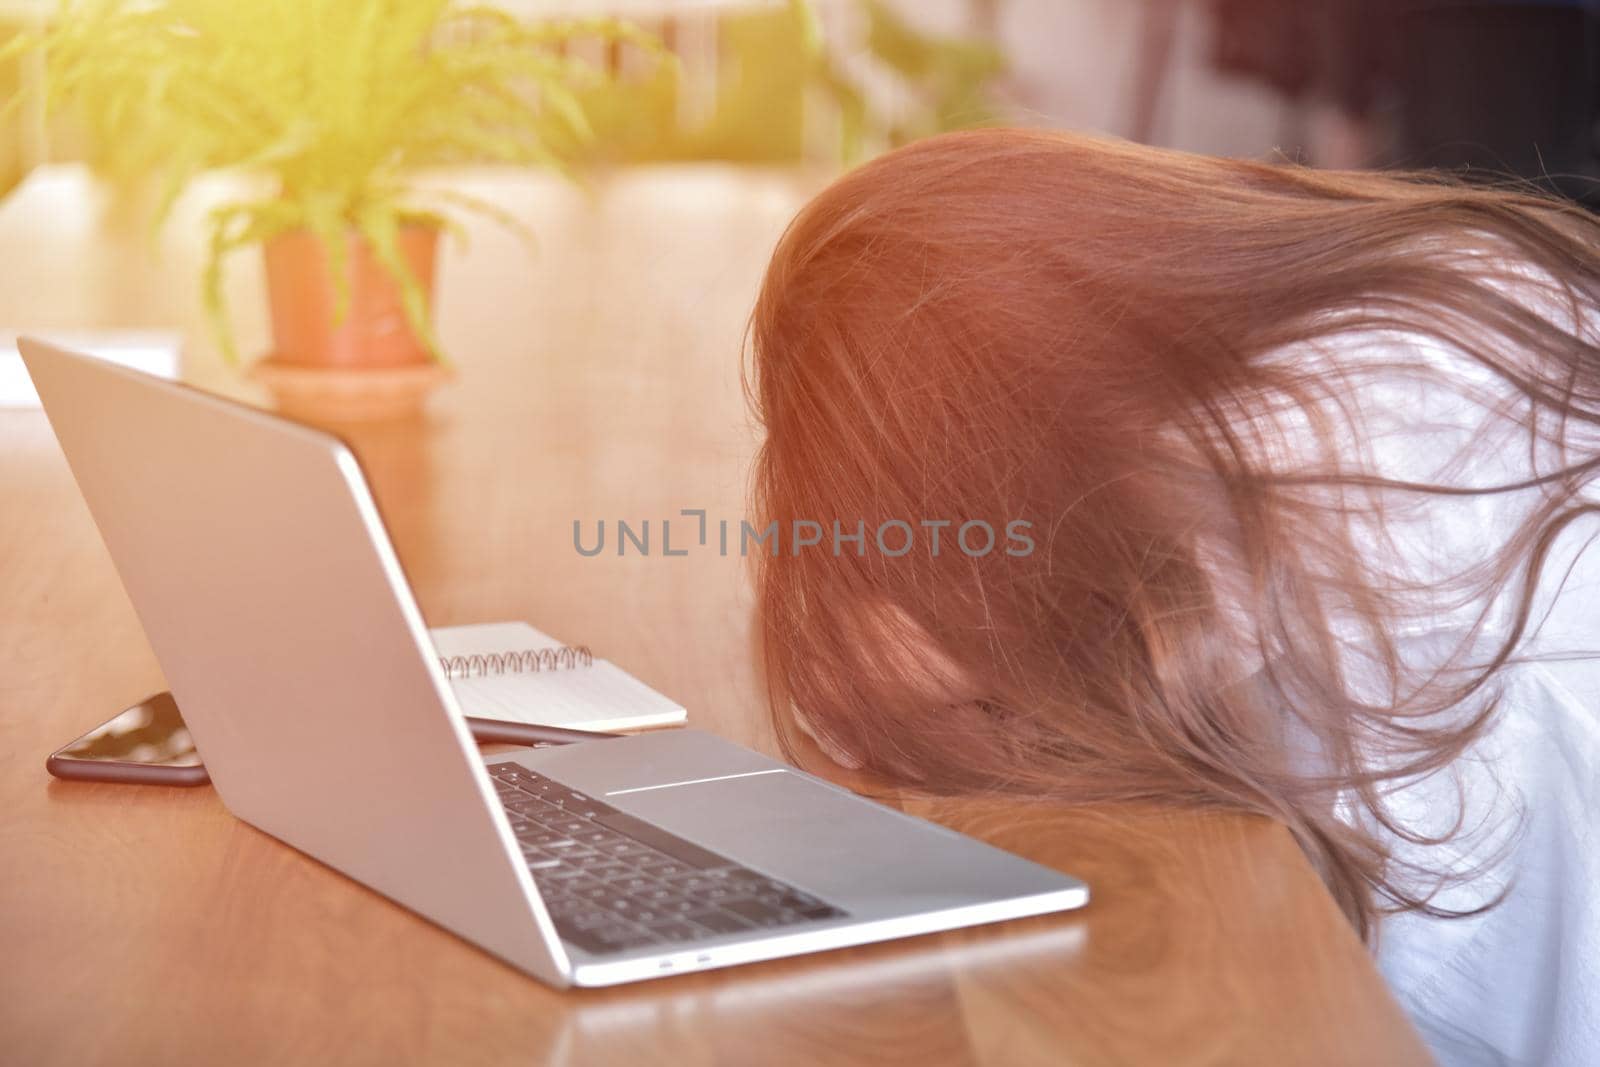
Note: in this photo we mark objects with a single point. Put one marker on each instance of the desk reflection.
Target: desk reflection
(877, 995)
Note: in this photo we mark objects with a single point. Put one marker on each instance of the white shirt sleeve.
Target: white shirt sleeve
(1519, 984)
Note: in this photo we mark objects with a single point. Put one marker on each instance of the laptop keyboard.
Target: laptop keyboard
(613, 882)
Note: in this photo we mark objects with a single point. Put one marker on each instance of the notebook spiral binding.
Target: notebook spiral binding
(523, 661)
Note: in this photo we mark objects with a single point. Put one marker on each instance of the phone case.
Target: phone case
(82, 770)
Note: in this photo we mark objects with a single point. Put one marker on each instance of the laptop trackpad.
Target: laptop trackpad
(854, 853)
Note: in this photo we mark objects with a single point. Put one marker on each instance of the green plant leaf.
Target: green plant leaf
(232, 227)
(379, 225)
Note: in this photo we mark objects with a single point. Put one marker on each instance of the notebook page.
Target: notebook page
(601, 697)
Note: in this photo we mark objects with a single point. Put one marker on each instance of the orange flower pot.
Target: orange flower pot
(369, 363)
(306, 328)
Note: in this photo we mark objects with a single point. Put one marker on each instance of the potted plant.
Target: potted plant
(337, 103)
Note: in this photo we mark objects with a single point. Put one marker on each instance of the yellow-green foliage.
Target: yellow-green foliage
(774, 63)
(11, 162)
(339, 100)
(948, 80)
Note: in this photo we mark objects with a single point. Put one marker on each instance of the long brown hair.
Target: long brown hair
(1088, 336)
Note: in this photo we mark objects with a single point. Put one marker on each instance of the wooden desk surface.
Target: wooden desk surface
(598, 380)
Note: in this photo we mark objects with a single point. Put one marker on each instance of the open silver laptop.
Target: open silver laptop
(265, 581)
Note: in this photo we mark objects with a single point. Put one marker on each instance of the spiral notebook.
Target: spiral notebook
(510, 671)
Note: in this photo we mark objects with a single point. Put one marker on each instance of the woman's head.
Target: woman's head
(1020, 389)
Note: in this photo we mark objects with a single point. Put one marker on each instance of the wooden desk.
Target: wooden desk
(598, 380)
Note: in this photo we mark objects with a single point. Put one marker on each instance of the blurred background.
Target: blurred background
(1509, 86)
(750, 105)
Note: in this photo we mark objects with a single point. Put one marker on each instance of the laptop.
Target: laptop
(256, 559)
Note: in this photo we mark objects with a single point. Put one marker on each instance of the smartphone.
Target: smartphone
(145, 743)
(149, 743)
